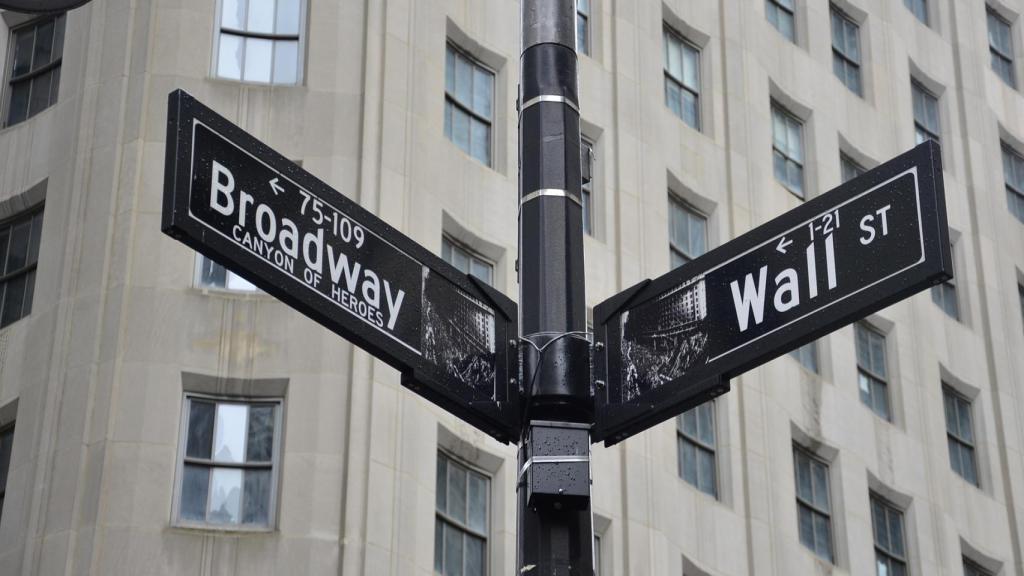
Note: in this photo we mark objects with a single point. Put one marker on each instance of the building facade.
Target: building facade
(159, 416)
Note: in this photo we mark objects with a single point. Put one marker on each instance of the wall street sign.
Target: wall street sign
(242, 204)
(672, 343)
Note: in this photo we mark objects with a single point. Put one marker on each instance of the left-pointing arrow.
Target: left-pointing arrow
(276, 187)
(781, 247)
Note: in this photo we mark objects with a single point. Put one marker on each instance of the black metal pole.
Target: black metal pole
(555, 530)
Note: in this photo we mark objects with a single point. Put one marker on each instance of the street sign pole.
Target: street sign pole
(555, 531)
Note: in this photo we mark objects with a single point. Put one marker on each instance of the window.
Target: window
(872, 373)
(19, 254)
(587, 190)
(682, 78)
(36, 52)
(960, 434)
(1000, 46)
(788, 150)
(814, 508)
(807, 355)
(973, 569)
(466, 261)
(781, 14)
(849, 168)
(944, 294)
(890, 551)
(919, 9)
(1013, 175)
(695, 430)
(259, 41)
(846, 50)
(688, 232)
(926, 114)
(583, 27)
(468, 102)
(6, 447)
(1020, 296)
(228, 476)
(597, 554)
(460, 525)
(209, 274)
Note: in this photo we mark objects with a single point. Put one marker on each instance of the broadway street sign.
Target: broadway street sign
(232, 198)
(673, 343)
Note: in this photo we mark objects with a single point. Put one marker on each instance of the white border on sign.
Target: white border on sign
(920, 227)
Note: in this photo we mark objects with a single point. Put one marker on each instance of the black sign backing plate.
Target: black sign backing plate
(242, 204)
(672, 343)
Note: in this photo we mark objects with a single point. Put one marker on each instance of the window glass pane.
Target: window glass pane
(286, 62)
(477, 503)
(805, 522)
(674, 63)
(481, 141)
(452, 551)
(236, 282)
(449, 70)
(803, 477)
(706, 471)
(582, 41)
(229, 433)
(673, 98)
(969, 468)
(17, 255)
(460, 128)
(880, 396)
(30, 284)
(481, 270)
(456, 492)
(200, 429)
(195, 483)
(881, 527)
(819, 476)
(438, 545)
(442, 484)
(260, 437)
(18, 107)
(691, 68)
(6, 446)
(15, 297)
(706, 423)
(233, 14)
(287, 17)
(23, 51)
(40, 94)
(257, 59)
(58, 38)
(256, 508)
(896, 532)
(229, 57)
(463, 80)
(964, 412)
(261, 16)
(448, 118)
(474, 556)
(689, 460)
(482, 90)
(33, 245)
(43, 45)
(690, 422)
(225, 496)
(690, 113)
(823, 536)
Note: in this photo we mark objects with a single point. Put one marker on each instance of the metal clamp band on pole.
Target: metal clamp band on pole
(550, 460)
(551, 192)
(549, 98)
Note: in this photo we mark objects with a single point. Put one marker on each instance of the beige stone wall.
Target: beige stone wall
(96, 369)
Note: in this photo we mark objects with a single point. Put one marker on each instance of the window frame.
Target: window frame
(197, 281)
(787, 118)
(840, 52)
(885, 552)
(588, 158)
(947, 291)
(972, 568)
(996, 52)
(300, 66)
(811, 506)
(960, 400)
(583, 16)
(691, 212)
(925, 16)
(8, 224)
(56, 62)
(777, 7)
(1014, 190)
(472, 255)
(450, 97)
(464, 527)
(670, 33)
(928, 97)
(868, 372)
(847, 163)
(182, 458)
(7, 428)
(699, 445)
(800, 354)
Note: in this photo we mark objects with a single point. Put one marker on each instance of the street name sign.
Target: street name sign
(672, 343)
(240, 203)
